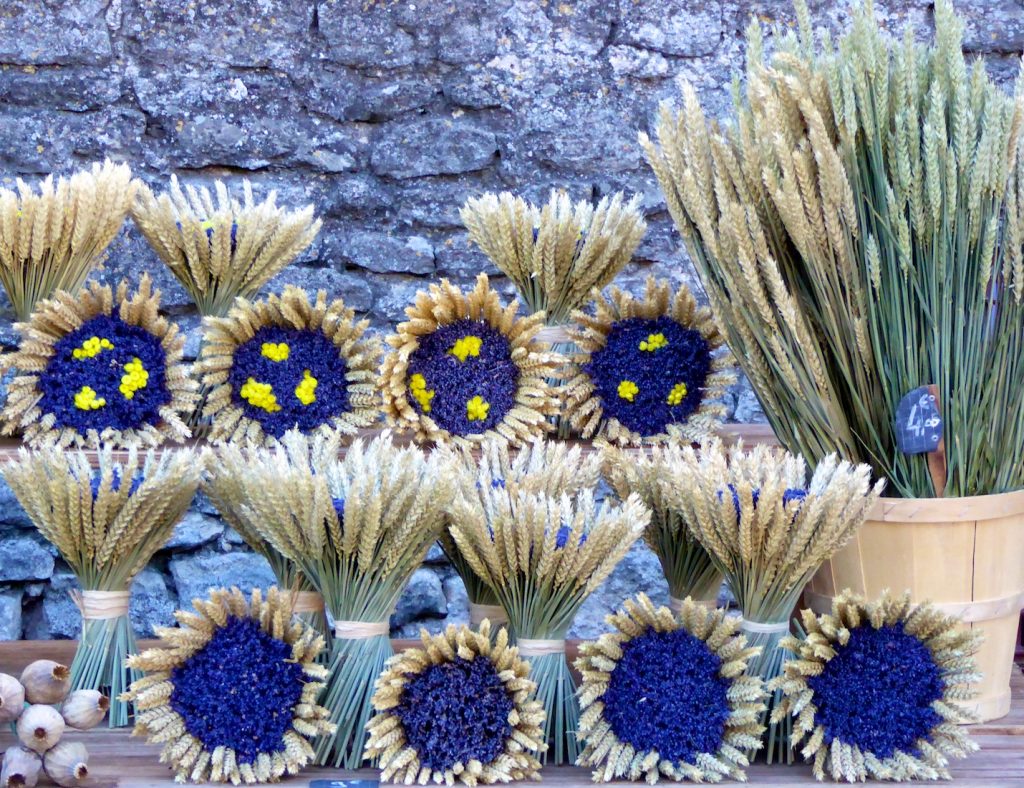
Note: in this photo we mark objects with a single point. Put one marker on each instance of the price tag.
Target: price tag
(918, 422)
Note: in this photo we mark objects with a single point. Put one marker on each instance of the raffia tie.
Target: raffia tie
(360, 630)
(675, 604)
(540, 648)
(307, 602)
(756, 627)
(493, 613)
(101, 605)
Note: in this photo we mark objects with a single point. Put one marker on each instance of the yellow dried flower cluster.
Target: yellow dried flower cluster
(159, 722)
(51, 239)
(222, 248)
(400, 762)
(950, 645)
(741, 730)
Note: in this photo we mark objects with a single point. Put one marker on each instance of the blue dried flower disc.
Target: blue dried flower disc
(65, 376)
(685, 359)
(665, 694)
(491, 375)
(456, 712)
(239, 690)
(307, 350)
(877, 691)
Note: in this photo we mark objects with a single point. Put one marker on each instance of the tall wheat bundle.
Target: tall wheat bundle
(52, 238)
(768, 528)
(857, 240)
(106, 523)
(220, 247)
(357, 528)
(542, 556)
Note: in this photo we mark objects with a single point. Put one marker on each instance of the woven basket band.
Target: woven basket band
(540, 648)
(675, 604)
(307, 602)
(757, 627)
(101, 605)
(360, 630)
(493, 613)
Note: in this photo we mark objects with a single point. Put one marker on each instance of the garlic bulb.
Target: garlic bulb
(84, 709)
(46, 681)
(67, 763)
(21, 768)
(40, 727)
(12, 698)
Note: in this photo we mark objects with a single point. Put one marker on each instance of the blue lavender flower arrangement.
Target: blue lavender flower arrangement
(460, 708)
(874, 687)
(242, 703)
(663, 696)
(648, 368)
(115, 377)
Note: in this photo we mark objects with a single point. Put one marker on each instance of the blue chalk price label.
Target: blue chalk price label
(344, 783)
(918, 422)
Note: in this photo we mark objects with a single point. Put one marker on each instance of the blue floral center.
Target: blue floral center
(650, 373)
(463, 377)
(106, 374)
(877, 691)
(239, 690)
(288, 378)
(456, 712)
(666, 694)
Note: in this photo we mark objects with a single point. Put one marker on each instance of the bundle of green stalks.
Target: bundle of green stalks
(357, 528)
(688, 568)
(229, 489)
(549, 467)
(106, 523)
(542, 555)
(767, 530)
(859, 233)
(225, 248)
(556, 254)
(52, 238)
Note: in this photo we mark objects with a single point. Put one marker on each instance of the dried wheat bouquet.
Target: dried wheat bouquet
(542, 556)
(649, 368)
(549, 467)
(357, 528)
(663, 695)
(874, 689)
(99, 367)
(230, 488)
(52, 238)
(767, 529)
(558, 253)
(688, 568)
(232, 691)
(463, 369)
(288, 362)
(458, 709)
(106, 523)
(217, 246)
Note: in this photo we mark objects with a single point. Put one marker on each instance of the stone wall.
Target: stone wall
(386, 114)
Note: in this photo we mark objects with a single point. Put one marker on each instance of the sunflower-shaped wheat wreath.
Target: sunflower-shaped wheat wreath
(232, 692)
(874, 689)
(288, 363)
(668, 696)
(459, 708)
(99, 367)
(649, 369)
(463, 369)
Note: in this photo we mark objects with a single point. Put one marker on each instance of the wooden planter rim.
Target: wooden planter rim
(948, 510)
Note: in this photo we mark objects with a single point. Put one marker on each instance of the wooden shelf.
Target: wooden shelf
(116, 759)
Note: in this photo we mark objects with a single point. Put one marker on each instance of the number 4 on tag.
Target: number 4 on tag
(919, 430)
